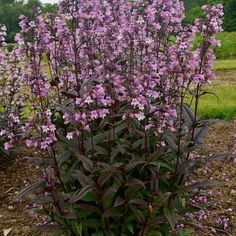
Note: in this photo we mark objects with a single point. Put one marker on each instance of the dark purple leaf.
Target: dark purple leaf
(188, 114)
(43, 200)
(89, 208)
(100, 150)
(112, 212)
(119, 201)
(203, 184)
(220, 156)
(87, 163)
(200, 133)
(140, 202)
(132, 165)
(82, 192)
(134, 181)
(30, 189)
(40, 161)
(82, 178)
(108, 192)
(171, 142)
(185, 167)
(138, 214)
(69, 216)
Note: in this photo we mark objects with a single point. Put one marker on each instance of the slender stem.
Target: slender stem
(57, 169)
(73, 233)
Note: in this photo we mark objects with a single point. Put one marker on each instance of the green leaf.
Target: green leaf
(138, 214)
(130, 227)
(100, 150)
(120, 126)
(64, 157)
(137, 143)
(79, 229)
(169, 212)
(184, 232)
(98, 234)
(156, 233)
(164, 199)
(209, 93)
(96, 139)
(82, 192)
(92, 223)
(90, 197)
(108, 196)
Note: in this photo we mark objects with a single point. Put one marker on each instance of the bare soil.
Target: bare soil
(219, 137)
(13, 215)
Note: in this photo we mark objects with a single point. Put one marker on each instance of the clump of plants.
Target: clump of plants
(11, 97)
(106, 83)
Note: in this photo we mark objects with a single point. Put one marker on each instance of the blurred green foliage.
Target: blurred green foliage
(10, 10)
(193, 10)
(227, 49)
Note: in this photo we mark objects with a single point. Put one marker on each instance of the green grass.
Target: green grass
(225, 64)
(224, 87)
(224, 108)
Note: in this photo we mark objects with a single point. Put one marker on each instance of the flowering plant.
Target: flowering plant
(106, 84)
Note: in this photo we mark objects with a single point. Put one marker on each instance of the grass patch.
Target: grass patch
(225, 64)
(224, 87)
(222, 108)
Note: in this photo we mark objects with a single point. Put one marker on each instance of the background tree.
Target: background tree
(193, 10)
(10, 11)
(230, 15)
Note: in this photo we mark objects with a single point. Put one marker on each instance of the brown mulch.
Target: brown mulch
(14, 216)
(219, 137)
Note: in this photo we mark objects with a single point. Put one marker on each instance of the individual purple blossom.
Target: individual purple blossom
(222, 221)
(3, 34)
(8, 145)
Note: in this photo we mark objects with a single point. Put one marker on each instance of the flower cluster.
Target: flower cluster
(96, 67)
(222, 221)
(105, 81)
(3, 34)
(12, 98)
